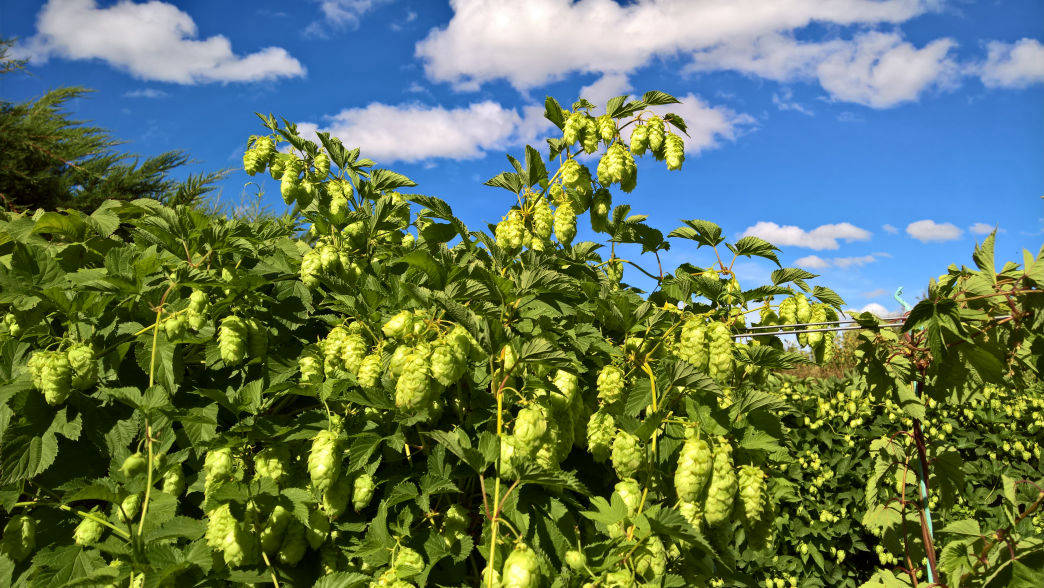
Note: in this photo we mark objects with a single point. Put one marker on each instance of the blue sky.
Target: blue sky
(873, 140)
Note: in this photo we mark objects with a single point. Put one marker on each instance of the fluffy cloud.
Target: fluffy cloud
(414, 132)
(145, 93)
(152, 41)
(605, 87)
(1013, 65)
(874, 308)
(928, 231)
(876, 69)
(890, 229)
(981, 229)
(817, 262)
(481, 42)
(821, 237)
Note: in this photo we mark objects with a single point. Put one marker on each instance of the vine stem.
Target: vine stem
(75, 511)
(497, 504)
(271, 569)
(148, 426)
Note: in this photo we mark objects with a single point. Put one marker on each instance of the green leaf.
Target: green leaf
(751, 246)
(701, 231)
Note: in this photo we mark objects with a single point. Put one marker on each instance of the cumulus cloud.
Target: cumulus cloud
(605, 87)
(891, 230)
(481, 41)
(928, 230)
(152, 41)
(1012, 65)
(415, 132)
(817, 262)
(145, 93)
(821, 237)
(981, 229)
(874, 308)
(812, 262)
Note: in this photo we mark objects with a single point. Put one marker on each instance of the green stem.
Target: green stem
(84, 514)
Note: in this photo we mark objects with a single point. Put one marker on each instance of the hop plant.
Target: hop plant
(639, 139)
(336, 497)
(576, 560)
(721, 493)
(311, 369)
(543, 219)
(414, 390)
(674, 151)
(51, 374)
(362, 491)
(84, 368)
(399, 325)
(272, 462)
(294, 544)
(311, 268)
(134, 465)
(324, 460)
(277, 166)
(447, 366)
(218, 465)
(656, 136)
(606, 127)
(610, 384)
(369, 371)
(601, 205)
(692, 344)
(271, 536)
(175, 326)
(19, 538)
(510, 232)
(650, 560)
(802, 308)
(565, 224)
(627, 454)
(788, 311)
(88, 532)
(408, 563)
(817, 315)
(590, 135)
(224, 533)
(318, 529)
(353, 350)
(630, 492)
(753, 493)
(719, 350)
(573, 128)
(174, 480)
(521, 569)
(694, 469)
(601, 430)
(232, 339)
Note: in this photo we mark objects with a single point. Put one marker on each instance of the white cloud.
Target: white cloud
(414, 132)
(605, 87)
(145, 93)
(346, 13)
(817, 262)
(784, 100)
(928, 230)
(1012, 65)
(892, 230)
(982, 229)
(152, 41)
(705, 124)
(821, 237)
(481, 42)
(874, 308)
(812, 262)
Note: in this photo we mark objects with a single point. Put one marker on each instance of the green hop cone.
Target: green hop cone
(19, 539)
(576, 560)
(721, 493)
(565, 224)
(408, 563)
(176, 326)
(753, 493)
(691, 512)
(218, 465)
(802, 309)
(321, 166)
(610, 384)
(53, 375)
(134, 465)
(447, 365)
(590, 135)
(414, 390)
(719, 351)
(336, 497)
(369, 371)
(629, 178)
(639, 139)
(650, 560)
(521, 569)
(692, 344)
(817, 315)
(88, 532)
(674, 151)
(573, 128)
(290, 185)
(788, 311)
(271, 535)
(224, 533)
(510, 232)
(272, 462)
(606, 127)
(311, 369)
(324, 459)
(294, 544)
(318, 529)
(257, 339)
(84, 368)
(174, 480)
(531, 426)
(399, 358)
(278, 165)
(232, 340)
(353, 350)
(362, 491)
(614, 271)
(601, 206)
(399, 325)
(311, 267)
(129, 507)
(695, 463)
(627, 455)
(656, 136)
(250, 161)
(631, 492)
(543, 219)
(601, 430)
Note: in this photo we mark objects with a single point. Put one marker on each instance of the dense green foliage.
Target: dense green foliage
(392, 399)
(51, 161)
